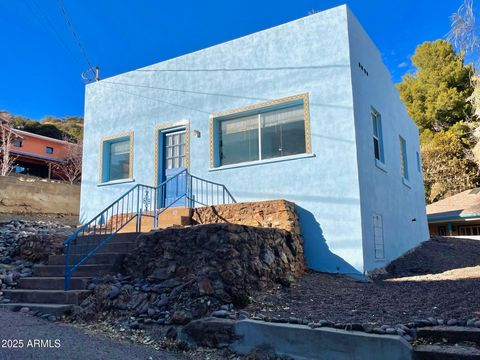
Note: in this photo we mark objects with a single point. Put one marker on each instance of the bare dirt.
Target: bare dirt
(453, 295)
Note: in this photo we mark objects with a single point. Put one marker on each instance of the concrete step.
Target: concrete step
(81, 271)
(446, 352)
(449, 334)
(124, 248)
(100, 258)
(52, 309)
(52, 283)
(118, 238)
(74, 297)
(177, 211)
(176, 220)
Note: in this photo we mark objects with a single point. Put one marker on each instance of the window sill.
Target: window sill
(406, 183)
(115, 182)
(260, 162)
(380, 165)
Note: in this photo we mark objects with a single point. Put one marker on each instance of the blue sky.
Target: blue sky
(41, 64)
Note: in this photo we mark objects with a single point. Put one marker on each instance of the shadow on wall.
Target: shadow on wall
(318, 255)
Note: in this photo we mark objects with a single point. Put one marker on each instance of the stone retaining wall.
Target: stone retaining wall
(27, 195)
(279, 214)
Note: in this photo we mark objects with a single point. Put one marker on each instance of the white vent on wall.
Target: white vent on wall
(379, 245)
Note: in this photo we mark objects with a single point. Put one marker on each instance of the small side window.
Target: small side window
(377, 136)
(403, 158)
(49, 150)
(419, 163)
(17, 143)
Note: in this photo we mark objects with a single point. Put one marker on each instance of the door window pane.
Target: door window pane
(283, 132)
(239, 140)
(119, 166)
(175, 150)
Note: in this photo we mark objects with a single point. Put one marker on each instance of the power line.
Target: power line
(72, 30)
(338, 106)
(52, 28)
(308, 67)
(153, 99)
(186, 91)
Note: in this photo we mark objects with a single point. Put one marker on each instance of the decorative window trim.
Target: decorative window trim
(170, 127)
(214, 117)
(110, 138)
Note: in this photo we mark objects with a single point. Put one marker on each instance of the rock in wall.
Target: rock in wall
(279, 214)
(225, 261)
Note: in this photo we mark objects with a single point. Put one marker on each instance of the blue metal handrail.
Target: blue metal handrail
(138, 202)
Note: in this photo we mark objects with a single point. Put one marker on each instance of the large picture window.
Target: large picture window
(265, 133)
(116, 158)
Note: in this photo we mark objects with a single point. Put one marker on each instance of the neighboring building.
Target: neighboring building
(305, 111)
(457, 215)
(35, 154)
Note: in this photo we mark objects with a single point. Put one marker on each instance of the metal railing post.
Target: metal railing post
(155, 216)
(67, 268)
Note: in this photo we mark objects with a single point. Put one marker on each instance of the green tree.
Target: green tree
(448, 163)
(436, 93)
(70, 127)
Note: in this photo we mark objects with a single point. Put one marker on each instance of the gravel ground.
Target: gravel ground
(74, 343)
(320, 296)
(437, 255)
(70, 220)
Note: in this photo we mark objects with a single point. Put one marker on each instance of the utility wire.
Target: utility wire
(308, 67)
(104, 83)
(185, 91)
(72, 30)
(54, 30)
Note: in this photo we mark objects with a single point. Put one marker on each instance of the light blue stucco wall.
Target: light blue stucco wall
(313, 56)
(381, 189)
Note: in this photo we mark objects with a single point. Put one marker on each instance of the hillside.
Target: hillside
(68, 127)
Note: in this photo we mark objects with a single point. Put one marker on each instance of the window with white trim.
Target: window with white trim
(403, 158)
(265, 133)
(377, 136)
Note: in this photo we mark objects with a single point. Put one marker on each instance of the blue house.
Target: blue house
(305, 111)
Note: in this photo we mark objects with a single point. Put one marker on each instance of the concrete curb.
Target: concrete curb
(304, 343)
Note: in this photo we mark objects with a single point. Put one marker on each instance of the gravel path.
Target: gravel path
(74, 343)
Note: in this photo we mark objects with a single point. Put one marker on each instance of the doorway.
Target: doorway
(174, 162)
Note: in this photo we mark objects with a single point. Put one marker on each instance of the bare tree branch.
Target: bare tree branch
(7, 136)
(463, 33)
(70, 168)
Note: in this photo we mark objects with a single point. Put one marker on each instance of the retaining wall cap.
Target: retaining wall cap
(301, 342)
